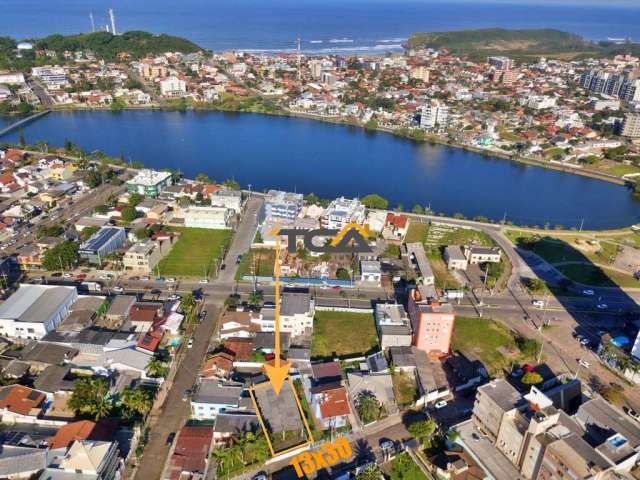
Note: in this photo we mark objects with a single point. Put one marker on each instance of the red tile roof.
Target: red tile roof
(399, 221)
(326, 371)
(192, 448)
(141, 312)
(20, 399)
(82, 430)
(150, 340)
(334, 403)
(220, 361)
(241, 347)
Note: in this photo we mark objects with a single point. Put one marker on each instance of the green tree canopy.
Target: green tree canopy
(62, 256)
(136, 402)
(129, 214)
(368, 407)
(90, 398)
(531, 378)
(375, 201)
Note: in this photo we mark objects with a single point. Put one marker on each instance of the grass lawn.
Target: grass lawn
(404, 468)
(343, 333)
(195, 252)
(261, 259)
(404, 388)
(492, 343)
(443, 277)
(598, 277)
(466, 236)
(619, 169)
(417, 232)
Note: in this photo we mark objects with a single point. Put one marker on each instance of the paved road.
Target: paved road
(175, 410)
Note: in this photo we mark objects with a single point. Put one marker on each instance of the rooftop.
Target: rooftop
(149, 178)
(215, 392)
(502, 393)
(30, 304)
(295, 303)
(100, 238)
(20, 399)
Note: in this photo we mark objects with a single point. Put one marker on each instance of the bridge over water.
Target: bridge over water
(23, 121)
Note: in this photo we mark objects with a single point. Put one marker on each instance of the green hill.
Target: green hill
(492, 41)
(105, 45)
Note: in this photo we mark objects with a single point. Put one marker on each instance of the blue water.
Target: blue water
(367, 25)
(331, 160)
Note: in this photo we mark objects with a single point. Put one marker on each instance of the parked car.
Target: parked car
(190, 344)
(386, 444)
(145, 278)
(175, 296)
(171, 280)
(204, 281)
(602, 306)
(585, 342)
(584, 363)
(223, 266)
(66, 275)
(118, 289)
(441, 404)
(186, 395)
(238, 259)
(170, 438)
(538, 303)
(632, 413)
(588, 291)
(56, 274)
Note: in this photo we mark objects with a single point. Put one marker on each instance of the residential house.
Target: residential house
(190, 457)
(296, 313)
(455, 258)
(370, 272)
(418, 257)
(330, 405)
(228, 425)
(219, 365)
(483, 254)
(393, 325)
(20, 404)
(212, 397)
(379, 385)
(143, 315)
(91, 458)
(395, 226)
(81, 430)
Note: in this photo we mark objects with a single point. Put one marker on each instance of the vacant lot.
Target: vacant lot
(195, 253)
(417, 232)
(493, 344)
(343, 334)
(404, 388)
(258, 262)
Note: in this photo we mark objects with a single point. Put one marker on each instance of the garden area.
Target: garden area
(493, 344)
(195, 253)
(343, 334)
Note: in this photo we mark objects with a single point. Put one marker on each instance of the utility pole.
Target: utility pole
(93, 24)
(484, 286)
(581, 224)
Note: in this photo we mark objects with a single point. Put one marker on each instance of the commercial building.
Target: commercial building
(35, 310)
(283, 206)
(631, 126)
(434, 116)
(144, 256)
(455, 259)
(214, 218)
(341, 212)
(431, 320)
(149, 182)
(393, 325)
(104, 241)
(500, 63)
(54, 78)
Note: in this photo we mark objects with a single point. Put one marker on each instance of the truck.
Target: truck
(90, 286)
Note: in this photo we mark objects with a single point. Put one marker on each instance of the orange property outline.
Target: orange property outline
(310, 440)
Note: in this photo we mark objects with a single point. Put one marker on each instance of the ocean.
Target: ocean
(324, 26)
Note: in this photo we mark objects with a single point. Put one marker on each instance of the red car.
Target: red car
(81, 276)
(269, 356)
(336, 288)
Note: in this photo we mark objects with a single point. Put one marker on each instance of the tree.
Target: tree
(90, 398)
(135, 199)
(136, 402)
(423, 430)
(87, 233)
(141, 234)
(129, 214)
(531, 378)
(157, 368)
(256, 297)
(371, 125)
(375, 201)
(371, 472)
(368, 407)
(116, 258)
(203, 178)
(64, 255)
(343, 274)
(231, 184)
(418, 209)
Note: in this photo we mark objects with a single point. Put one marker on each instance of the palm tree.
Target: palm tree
(136, 401)
(372, 472)
(256, 297)
(188, 303)
(368, 407)
(221, 457)
(157, 368)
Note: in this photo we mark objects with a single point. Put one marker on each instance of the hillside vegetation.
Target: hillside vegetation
(504, 41)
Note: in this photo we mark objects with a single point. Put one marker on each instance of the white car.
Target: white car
(588, 291)
(584, 363)
(538, 303)
(602, 306)
(67, 275)
(203, 281)
(145, 279)
(190, 344)
(105, 276)
(170, 280)
(441, 404)
(174, 297)
(118, 289)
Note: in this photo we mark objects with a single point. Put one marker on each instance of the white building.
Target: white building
(284, 206)
(213, 397)
(231, 199)
(149, 182)
(370, 271)
(393, 326)
(144, 256)
(216, 218)
(341, 212)
(296, 313)
(87, 459)
(35, 310)
(53, 77)
(173, 87)
(434, 116)
(11, 78)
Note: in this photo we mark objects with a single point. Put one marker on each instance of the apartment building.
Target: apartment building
(149, 182)
(431, 321)
(434, 115)
(214, 218)
(283, 206)
(493, 401)
(296, 313)
(341, 212)
(144, 256)
(631, 126)
(173, 87)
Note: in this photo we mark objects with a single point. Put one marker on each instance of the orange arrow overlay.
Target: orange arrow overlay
(277, 372)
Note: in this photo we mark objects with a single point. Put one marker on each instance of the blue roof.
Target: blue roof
(100, 238)
(620, 341)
